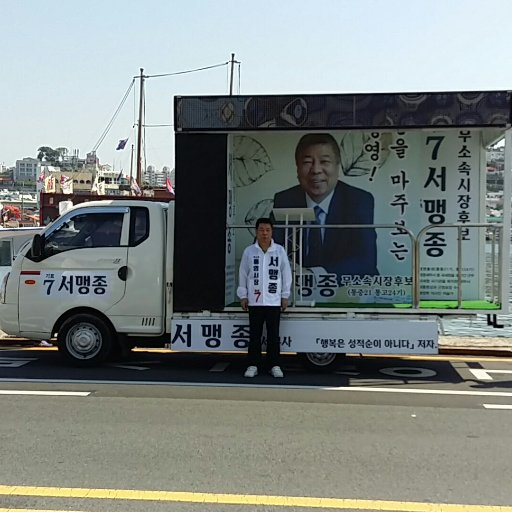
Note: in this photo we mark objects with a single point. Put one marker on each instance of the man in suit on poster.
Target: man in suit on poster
(350, 251)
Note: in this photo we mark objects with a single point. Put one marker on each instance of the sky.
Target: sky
(66, 64)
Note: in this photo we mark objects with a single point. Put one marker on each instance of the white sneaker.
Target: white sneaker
(251, 372)
(276, 372)
(44, 343)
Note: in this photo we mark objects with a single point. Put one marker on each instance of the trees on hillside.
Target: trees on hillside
(51, 156)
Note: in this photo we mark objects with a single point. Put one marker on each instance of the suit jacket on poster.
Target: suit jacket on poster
(350, 251)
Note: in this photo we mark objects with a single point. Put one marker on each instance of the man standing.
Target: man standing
(350, 251)
(264, 288)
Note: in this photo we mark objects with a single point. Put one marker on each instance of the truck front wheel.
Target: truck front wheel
(321, 361)
(85, 340)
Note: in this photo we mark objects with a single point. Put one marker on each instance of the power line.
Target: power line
(111, 122)
(186, 71)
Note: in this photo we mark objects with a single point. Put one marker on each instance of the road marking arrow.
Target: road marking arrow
(129, 367)
(15, 362)
(219, 367)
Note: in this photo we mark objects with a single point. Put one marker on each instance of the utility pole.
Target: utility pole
(131, 170)
(139, 133)
(231, 77)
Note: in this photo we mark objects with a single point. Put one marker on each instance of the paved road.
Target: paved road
(161, 366)
(382, 434)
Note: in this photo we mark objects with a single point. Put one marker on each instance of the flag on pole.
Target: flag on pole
(94, 188)
(169, 186)
(49, 184)
(135, 187)
(120, 175)
(121, 144)
(66, 184)
(40, 180)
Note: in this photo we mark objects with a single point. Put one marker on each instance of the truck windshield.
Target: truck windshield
(86, 230)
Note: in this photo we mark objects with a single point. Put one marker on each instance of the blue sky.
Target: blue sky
(66, 64)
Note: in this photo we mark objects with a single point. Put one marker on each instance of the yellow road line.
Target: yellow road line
(34, 510)
(239, 499)
(38, 347)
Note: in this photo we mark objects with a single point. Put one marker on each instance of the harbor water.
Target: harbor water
(477, 325)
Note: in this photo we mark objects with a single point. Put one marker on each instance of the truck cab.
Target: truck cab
(96, 271)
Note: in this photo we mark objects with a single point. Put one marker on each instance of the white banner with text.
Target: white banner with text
(314, 335)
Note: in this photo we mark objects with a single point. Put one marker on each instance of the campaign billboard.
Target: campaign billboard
(394, 182)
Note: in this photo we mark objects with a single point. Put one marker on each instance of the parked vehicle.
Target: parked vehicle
(11, 241)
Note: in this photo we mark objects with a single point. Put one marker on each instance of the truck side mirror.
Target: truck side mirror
(37, 246)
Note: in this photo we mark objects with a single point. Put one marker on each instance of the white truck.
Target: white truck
(107, 276)
(101, 278)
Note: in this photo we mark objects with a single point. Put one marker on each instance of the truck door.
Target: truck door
(83, 265)
(142, 310)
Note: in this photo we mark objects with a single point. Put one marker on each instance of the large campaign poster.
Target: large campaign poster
(399, 179)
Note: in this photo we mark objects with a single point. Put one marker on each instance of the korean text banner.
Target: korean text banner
(328, 336)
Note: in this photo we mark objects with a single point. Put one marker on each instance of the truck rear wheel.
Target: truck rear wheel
(321, 361)
(85, 340)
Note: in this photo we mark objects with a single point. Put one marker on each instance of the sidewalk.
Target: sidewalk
(448, 345)
(474, 345)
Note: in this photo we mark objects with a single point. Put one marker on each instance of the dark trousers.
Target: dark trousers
(258, 316)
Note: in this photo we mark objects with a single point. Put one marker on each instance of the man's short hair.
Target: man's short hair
(264, 220)
(312, 139)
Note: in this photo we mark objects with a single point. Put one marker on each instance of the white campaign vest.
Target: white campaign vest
(265, 277)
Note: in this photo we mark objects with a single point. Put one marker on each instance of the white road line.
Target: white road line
(219, 367)
(485, 374)
(43, 393)
(498, 406)
(419, 391)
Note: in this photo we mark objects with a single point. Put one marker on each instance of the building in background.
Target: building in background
(111, 182)
(27, 169)
(71, 161)
(495, 169)
(153, 178)
(91, 159)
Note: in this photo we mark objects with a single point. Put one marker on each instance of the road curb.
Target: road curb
(477, 352)
(14, 342)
